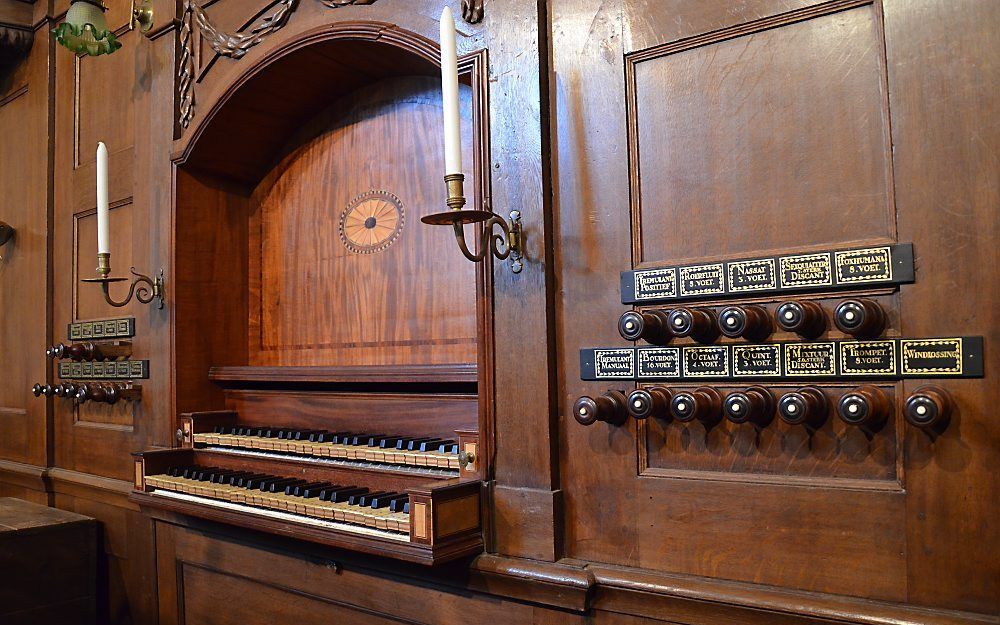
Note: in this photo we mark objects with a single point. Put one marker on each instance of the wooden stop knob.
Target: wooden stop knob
(649, 402)
(866, 406)
(703, 403)
(806, 406)
(861, 318)
(650, 326)
(802, 317)
(698, 323)
(753, 405)
(749, 322)
(929, 408)
(609, 407)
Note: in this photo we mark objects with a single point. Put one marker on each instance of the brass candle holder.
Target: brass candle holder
(143, 288)
(508, 244)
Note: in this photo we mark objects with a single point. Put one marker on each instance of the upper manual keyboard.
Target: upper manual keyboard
(377, 448)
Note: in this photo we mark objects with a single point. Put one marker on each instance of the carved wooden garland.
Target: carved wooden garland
(235, 45)
(472, 10)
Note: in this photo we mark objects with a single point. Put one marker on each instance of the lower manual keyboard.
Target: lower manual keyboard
(325, 501)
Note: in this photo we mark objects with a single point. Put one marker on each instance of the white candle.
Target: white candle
(103, 228)
(449, 93)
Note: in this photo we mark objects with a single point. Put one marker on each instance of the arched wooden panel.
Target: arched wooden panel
(370, 286)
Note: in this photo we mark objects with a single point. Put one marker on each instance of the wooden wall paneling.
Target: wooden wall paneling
(304, 587)
(85, 434)
(735, 146)
(126, 572)
(676, 523)
(24, 204)
(942, 96)
(427, 414)
(210, 299)
(590, 215)
(525, 376)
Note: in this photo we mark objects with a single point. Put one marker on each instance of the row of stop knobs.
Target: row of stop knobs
(89, 351)
(861, 318)
(107, 393)
(868, 407)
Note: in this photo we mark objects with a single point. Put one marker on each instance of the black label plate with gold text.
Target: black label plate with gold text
(883, 359)
(853, 268)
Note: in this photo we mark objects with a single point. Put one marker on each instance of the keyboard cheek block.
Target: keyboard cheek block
(401, 516)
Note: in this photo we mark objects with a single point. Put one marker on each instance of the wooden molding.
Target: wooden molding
(582, 586)
(459, 373)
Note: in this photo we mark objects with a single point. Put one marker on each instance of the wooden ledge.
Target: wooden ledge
(547, 583)
(582, 586)
(376, 374)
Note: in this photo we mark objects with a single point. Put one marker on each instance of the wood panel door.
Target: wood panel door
(124, 100)
(699, 131)
(24, 260)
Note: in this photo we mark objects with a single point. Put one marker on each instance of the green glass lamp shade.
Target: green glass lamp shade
(85, 30)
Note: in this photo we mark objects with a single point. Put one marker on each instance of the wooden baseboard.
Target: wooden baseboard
(582, 586)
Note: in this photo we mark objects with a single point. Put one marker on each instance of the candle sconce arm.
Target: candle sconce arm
(503, 245)
(143, 288)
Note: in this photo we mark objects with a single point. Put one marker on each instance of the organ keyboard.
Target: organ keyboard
(375, 448)
(412, 497)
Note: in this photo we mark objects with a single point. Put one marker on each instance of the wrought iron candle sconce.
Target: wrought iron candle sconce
(509, 244)
(143, 288)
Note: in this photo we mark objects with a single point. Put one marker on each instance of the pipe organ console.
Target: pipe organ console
(405, 496)
(729, 361)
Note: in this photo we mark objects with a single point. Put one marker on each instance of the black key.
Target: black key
(365, 439)
(431, 445)
(388, 442)
(240, 480)
(343, 494)
(381, 501)
(219, 429)
(365, 499)
(175, 471)
(313, 490)
(223, 477)
(255, 482)
(398, 505)
(326, 491)
(303, 435)
(286, 434)
(271, 432)
(321, 436)
(414, 443)
(341, 438)
(265, 484)
(449, 448)
(279, 485)
(295, 490)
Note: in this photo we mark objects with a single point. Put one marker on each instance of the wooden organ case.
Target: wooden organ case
(329, 354)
